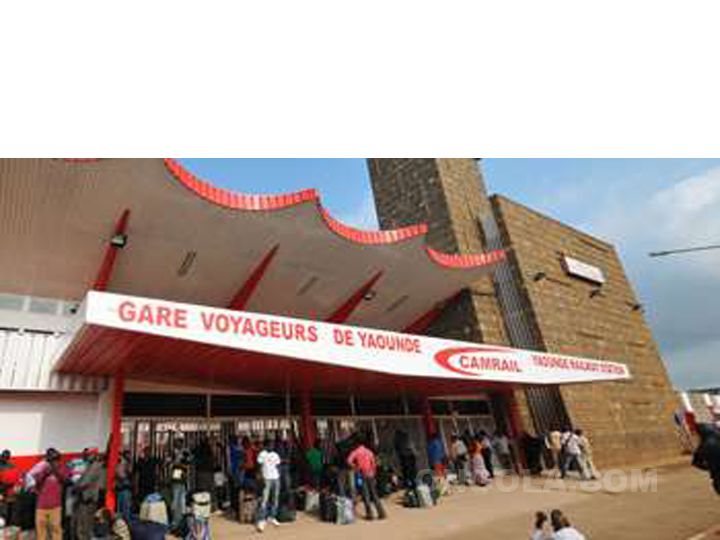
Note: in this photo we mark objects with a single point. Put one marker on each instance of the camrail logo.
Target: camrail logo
(475, 361)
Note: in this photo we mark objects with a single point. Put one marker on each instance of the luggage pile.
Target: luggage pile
(336, 509)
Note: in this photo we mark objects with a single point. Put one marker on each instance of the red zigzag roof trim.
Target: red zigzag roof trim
(247, 202)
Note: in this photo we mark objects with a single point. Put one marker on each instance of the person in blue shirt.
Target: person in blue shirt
(436, 455)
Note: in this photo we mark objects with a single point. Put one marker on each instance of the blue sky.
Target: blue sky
(639, 205)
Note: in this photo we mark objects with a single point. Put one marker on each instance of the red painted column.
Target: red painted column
(428, 418)
(307, 421)
(115, 439)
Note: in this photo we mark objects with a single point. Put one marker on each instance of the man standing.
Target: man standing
(502, 448)
(49, 479)
(459, 454)
(554, 444)
(487, 452)
(123, 485)
(362, 460)
(88, 490)
(436, 455)
(314, 459)
(146, 474)
(269, 461)
(573, 455)
(9, 479)
(587, 455)
(179, 467)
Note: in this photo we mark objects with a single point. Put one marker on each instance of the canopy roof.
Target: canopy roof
(191, 242)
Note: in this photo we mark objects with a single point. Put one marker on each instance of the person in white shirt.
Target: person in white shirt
(269, 461)
(561, 528)
(501, 444)
(459, 453)
(573, 455)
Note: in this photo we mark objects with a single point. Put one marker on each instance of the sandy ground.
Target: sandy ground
(683, 507)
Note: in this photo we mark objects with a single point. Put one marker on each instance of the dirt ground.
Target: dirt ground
(683, 507)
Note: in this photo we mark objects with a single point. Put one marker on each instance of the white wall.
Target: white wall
(27, 360)
(32, 422)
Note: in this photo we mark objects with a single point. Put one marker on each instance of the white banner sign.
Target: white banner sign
(341, 345)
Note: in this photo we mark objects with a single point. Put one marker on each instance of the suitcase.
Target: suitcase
(328, 508)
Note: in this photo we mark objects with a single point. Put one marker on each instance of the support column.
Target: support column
(307, 421)
(515, 428)
(428, 418)
(115, 439)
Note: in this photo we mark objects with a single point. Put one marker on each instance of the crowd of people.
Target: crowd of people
(561, 450)
(264, 482)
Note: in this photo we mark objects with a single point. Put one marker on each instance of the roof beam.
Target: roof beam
(243, 296)
(421, 324)
(108, 264)
(343, 313)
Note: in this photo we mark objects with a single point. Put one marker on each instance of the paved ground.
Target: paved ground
(683, 507)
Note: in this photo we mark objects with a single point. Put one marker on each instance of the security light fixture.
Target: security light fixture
(119, 241)
(186, 263)
(370, 295)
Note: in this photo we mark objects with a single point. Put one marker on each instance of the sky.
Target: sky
(640, 205)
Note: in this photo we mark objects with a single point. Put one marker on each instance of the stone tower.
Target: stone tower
(450, 196)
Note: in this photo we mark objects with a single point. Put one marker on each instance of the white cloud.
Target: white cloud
(681, 292)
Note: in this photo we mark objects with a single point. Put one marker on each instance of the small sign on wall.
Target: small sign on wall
(582, 270)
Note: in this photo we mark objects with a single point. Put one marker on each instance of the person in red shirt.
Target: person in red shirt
(9, 480)
(49, 480)
(362, 460)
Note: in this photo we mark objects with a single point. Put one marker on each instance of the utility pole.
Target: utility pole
(685, 250)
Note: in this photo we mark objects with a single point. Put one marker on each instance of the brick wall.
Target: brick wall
(627, 421)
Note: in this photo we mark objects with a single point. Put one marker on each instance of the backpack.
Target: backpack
(410, 499)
